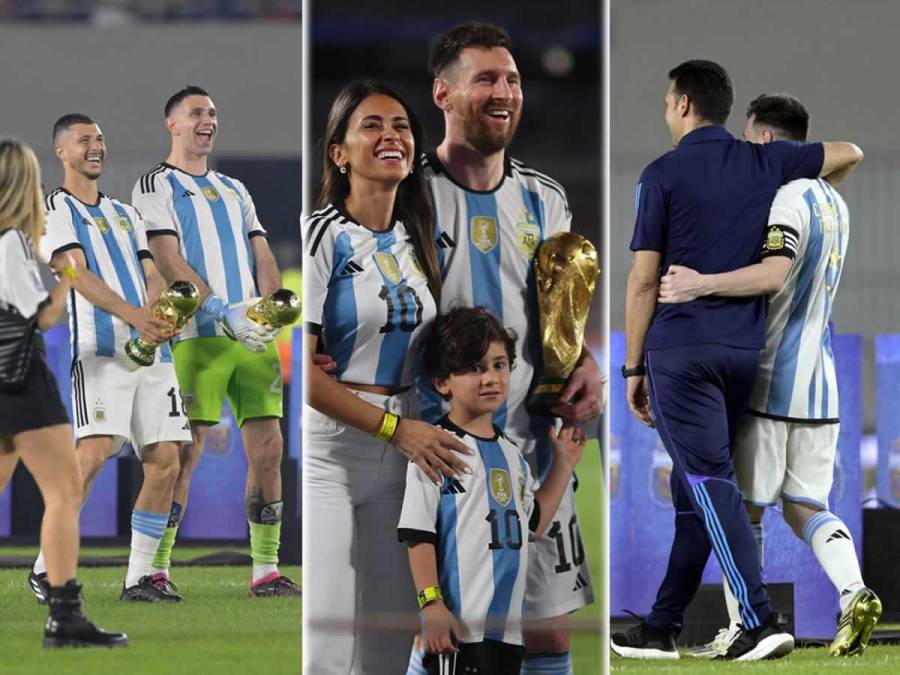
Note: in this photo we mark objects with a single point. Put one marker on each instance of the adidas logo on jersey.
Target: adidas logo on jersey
(453, 486)
(837, 534)
(444, 241)
(579, 583)
(350, 269)
(187, 193)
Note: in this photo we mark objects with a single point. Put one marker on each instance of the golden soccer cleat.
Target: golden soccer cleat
(856, 624)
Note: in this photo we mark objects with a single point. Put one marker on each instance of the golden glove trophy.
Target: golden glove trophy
(276, 310)
(567, 270)
(176, 305)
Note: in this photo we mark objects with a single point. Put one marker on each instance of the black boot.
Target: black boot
(68, 627)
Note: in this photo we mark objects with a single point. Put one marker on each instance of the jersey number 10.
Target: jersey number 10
(506, 530)
(404, 308)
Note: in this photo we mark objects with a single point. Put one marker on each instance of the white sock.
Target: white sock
(40, 565)
(147, 529)
(260, 571)
(830, 541)
(143, 548)
(731, 603)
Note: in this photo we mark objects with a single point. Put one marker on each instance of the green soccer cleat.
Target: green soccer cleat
(856, 624)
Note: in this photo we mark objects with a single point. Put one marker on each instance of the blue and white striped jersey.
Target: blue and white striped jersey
(367, 298)
(810, 222)
(479, 525)
(213, 217)
(113, 239)
(486, 242)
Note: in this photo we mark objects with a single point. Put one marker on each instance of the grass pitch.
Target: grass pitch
(216, 629)
(813, 661)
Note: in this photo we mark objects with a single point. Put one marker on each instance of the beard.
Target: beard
(486, 140)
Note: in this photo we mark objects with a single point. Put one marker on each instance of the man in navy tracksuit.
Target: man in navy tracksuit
(704, 205)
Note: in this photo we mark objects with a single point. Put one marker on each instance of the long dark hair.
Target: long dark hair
(413, 202)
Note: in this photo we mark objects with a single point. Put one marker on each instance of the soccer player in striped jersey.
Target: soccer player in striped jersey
(202, 226)
(113, 399)
(787, 442)
(467, 536)
(492, 212)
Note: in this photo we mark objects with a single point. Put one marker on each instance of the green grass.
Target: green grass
(216, 629)
(590, 497)
(880, 660)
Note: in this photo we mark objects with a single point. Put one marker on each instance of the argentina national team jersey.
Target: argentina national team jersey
(809, 222)
(113, 239)
(479, 525)
(367, 298)
(214, 218)
(486, 242)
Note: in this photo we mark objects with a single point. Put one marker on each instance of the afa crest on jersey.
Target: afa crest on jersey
(528, 234)
(210, 193)
(483, 233)
(123, 223)
(389, 267)
(416, 265)
(775, 239)
(501, 488)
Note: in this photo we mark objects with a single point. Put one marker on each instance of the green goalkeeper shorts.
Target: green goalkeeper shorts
(211, 368)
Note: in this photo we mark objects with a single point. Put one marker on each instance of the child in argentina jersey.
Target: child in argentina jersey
(809, 223)
(468, 536)
(214, 218)
(113, 238)
(486, 242)
(367, 298)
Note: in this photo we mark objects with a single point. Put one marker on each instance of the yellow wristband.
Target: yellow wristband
(69, 271)
(428, 595)
(388, 427)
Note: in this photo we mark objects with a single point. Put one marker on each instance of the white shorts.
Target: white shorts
(791, 460)
(559, 580)
(356, 577)
(115, 397)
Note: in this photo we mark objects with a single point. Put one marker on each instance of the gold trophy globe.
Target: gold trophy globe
(276, 309)
(566, 269)
(176, 306)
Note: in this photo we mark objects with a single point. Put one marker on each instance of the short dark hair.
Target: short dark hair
(66, 121)
(460, 338)
(784, 113)
(446, 48)
(181, 94)
(708, 87)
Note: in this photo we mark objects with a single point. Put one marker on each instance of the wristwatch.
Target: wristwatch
(637, 371)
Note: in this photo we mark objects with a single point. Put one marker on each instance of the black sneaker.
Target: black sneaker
(274, 586)
(645, 642)
(769, 641)
(147, 590)
(67, 625)
(39, 586)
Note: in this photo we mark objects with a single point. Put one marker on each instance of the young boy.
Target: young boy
(467, 551)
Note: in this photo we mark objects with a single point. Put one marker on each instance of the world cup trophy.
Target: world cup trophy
(566, 269)
(276, 310)
(176, 306)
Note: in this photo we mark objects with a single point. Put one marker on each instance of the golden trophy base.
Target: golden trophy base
(141, 352)
(545, 395)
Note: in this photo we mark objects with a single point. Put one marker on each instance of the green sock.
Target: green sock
(264, 542)
(163, 558)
